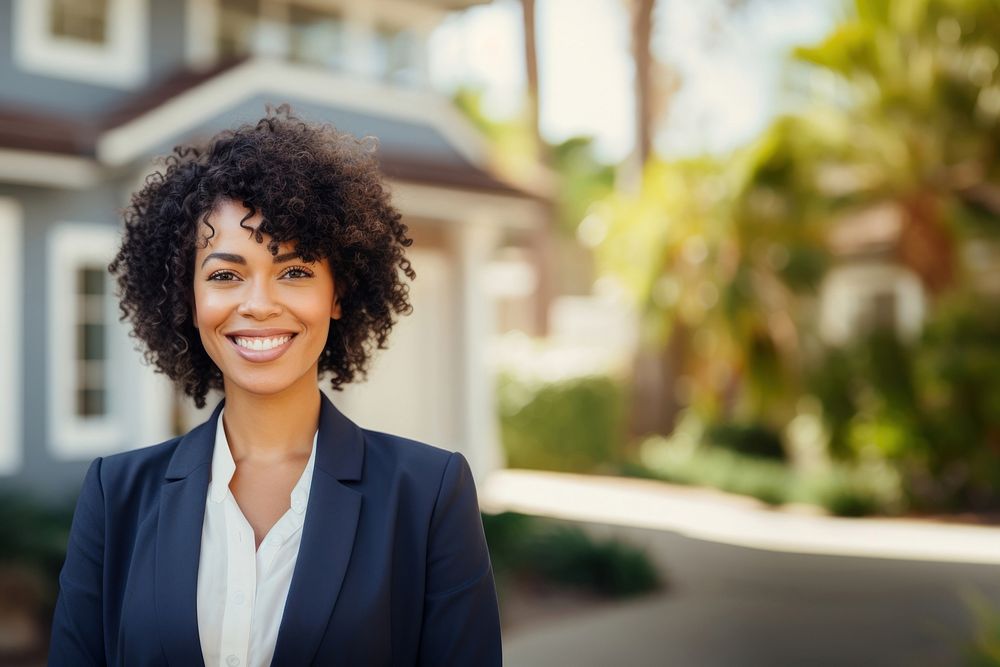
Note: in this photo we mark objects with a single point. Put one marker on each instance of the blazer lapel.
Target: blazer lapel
(178, 544)
(327, 539)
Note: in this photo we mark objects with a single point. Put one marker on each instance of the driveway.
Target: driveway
(736, 605)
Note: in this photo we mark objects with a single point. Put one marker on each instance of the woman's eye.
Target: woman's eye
(297, 272)
(223, 276)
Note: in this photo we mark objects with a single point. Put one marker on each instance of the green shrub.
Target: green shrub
(706, 465)
(750, 439)
(34, 534)
(571, 425)
(561, 553)
(930, 407)
(984, 649)
(842, 489)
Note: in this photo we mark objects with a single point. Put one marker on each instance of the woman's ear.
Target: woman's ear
(335, 309)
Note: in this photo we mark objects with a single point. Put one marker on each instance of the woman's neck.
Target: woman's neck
(275, 427)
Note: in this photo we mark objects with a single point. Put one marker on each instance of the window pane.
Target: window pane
(317, 36)
(238, 23)
(90, 280)
(90, 342)
(394, 53)
(85, 20)
(90, 402)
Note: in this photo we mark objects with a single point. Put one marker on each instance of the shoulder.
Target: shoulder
(129, 482)
(404, 454)
(145, 462)
(415, 467)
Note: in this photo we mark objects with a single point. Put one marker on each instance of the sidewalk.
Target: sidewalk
(734, 520)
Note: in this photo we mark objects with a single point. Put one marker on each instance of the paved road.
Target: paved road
(734, 606)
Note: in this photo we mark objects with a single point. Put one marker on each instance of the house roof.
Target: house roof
(421, 137)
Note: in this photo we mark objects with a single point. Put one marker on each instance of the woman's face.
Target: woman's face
(263, 319)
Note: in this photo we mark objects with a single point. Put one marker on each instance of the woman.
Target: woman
(277, 532)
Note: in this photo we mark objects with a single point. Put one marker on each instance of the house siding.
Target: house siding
(66, 96)
(43, 208)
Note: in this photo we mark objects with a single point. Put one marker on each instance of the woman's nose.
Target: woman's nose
(259, 303)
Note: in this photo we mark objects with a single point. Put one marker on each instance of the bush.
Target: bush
(930, 408)
(561, 553)
(751, 439)
(708, 465)
(984, 649)
(571, 425)
(842, 489)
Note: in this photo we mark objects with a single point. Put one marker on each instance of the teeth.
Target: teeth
(257, 343)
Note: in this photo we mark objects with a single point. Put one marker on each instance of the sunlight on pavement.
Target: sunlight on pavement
(710, 515)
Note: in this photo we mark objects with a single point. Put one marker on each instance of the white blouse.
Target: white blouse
(242, 591)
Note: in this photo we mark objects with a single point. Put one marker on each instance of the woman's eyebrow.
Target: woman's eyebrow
(239, 259)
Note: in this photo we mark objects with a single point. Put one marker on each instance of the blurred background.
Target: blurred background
(708, 293)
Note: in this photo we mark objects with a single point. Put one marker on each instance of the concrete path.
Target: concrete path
(780, 602)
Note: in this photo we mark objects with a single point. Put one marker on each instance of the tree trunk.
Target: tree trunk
(531, 71)
(642, 29)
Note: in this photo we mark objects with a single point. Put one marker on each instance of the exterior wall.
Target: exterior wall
(43, 472)
(69, 96)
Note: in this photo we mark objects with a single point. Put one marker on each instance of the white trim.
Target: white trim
(460, 206)
(189, 110)
(11, 313)
(201, 26)
(64, 171)
(72, 437)
(120, 63)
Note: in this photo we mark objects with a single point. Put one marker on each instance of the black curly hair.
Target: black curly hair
(314, 186)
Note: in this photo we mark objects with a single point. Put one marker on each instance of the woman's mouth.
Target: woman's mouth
(261, 348)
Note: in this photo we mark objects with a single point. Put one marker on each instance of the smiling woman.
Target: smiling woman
(278, 532)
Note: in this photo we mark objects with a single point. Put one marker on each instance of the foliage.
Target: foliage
(35, 534)
(32, 549)
(749, 439)
(984, 649)
(931, 407)
(842, 489)
(572, 424)
(900, 109)
(582, 180)
(564, 554)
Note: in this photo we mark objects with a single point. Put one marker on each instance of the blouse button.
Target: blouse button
(298, 505)
(232, 661)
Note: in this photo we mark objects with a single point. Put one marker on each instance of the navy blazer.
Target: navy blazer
(392, 569)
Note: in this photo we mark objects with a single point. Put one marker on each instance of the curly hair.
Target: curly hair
(314, 186)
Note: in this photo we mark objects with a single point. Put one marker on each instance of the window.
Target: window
(99, 41)
(237, 27)
(10, 337)
(85, 20)
(316, 36)
(298, 32)
(394, 54)
(91, 342)
(87, 344)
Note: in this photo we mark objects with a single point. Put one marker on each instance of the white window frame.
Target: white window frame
(11, 282)
(121, 62)
(72, 437)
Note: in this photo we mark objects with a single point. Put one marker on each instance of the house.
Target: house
(92, 90)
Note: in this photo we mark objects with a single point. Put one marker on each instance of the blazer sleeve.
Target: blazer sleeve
(461, 624)
(77, 628)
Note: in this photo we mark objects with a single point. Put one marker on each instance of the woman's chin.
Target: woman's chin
(268, 384)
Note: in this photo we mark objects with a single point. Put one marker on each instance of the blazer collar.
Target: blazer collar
(324, 553)
(342, 458)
